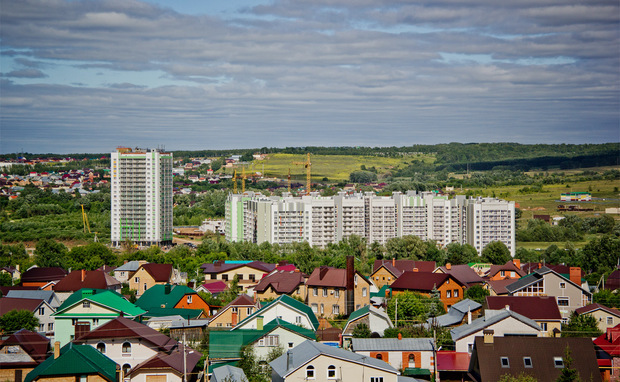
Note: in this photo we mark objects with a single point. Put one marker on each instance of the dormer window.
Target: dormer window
(504, 362)
(527, 362)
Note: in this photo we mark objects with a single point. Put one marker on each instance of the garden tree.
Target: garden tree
(582, 325)
(247, 157)
(362, 177)
(15, 320)
(413, 306)
(519, 378)
(526, 255)
(91, 256)
(6, 279)
(607, 298)
(601, 254)
(361, 331)
(232, 292)
(210, 299)
(457, 253)
(11, 255)
(476, 293)
(49, 253)
(405, 247)
(496, 252)
(568, 374)
(376, 251)
(249, 364)
(433, 253)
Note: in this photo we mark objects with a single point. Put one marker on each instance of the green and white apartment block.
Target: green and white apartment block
(141, 196)
(321, 220)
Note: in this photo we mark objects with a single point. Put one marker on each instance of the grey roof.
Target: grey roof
(308, 350)
(391, 344)
(534, 277)
(131, 266)
(48, 296)
(466, 305)
(491, 317)
(228, 373)
(180, 324)
(456, 313)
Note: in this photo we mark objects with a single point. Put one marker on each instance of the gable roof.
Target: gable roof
(280, 282)
(365, 311)
(609, 341)
(596, 306)
(35, 344)
(309, 350)
(325, 276)
(241, 300)
(286, 300)
(160, 272)
(77, 280)
(456, 313)
(463, 273)
(75, 360)
(219, 266)
(8, 304)
(166, 295)
(491, 317)
(509, 266)
(173, 360)
(123, 328)
(228, 373)
(107, 298)
(534, 307)
(391, 344)
(499, 286)
(421, 281)
(130, 266)
(215, 287)
(43, 274)
(397, 267)
(536, 276)
(48, 296)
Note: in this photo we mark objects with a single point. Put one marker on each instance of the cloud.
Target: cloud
(25, 73)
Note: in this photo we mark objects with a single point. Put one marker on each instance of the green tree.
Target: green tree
(6, 279)
(413, 306)
(581, 325)
(519, 378)
(361, 331)
(406, 247)
(457, 253)
(362, 177)
(49, 253)
(496, 252)
(607, 298)
(15, 320)
(568, 374)
(476, 293)
(232, 292)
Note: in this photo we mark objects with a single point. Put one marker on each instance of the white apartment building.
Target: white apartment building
(141, 196)
(321, 220)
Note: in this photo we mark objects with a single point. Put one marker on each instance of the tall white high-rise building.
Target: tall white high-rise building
(141, 197)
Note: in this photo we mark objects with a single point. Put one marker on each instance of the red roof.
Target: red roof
(215, 287)
(13, 303)
(452, 361)
(159, 272)
(509, 266)
(421, 281)
(77, 280)
(533, 307)
(281, 282)
(33, 343)
(499, 286)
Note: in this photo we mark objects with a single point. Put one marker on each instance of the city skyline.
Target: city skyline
(81, 76)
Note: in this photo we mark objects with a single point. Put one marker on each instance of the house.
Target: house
(20, 353)
(412, 355)
(449, 289)
(248, 273)
(385, 272)
(172, 365)
(607, 347)
(227, 345)
(498, 287)
(375, 319)
(48, 296)
(499, 323)
(124, 273)
(606, 317)
(541, 309)
(13, 271)
(313, 360)
(544, 281)
(613, 280)
(213, 288)
(172, 296)
(73, 363)
(278, 283)
(41, 310)
(462, 273)
(510, 270)
(285, 308)
(190, 330)
(334, 291)
(452, 365)
(77, 280)
(541, 358)
(150, 274)
(42, 277)
(463, 312)
(87, 309)
(233, 313)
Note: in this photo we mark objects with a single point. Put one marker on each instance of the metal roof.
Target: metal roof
(491, 317)
(391, 344)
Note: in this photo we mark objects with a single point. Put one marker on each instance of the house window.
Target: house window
(41, 327)
(448, 294)
(126, 349)
(336, 309)
(310, 372)
(504, 362)
(512, 274)
(189, 299)
(315, 291)
(502, 273)
(379, 356)
(376, 379)
(563, 301)
(252, 277)
(322, 309)
(455, 293)
(331, 372)
(337, 293)
(235, 309)
(225, 277)
(315, 308)
(324, 292)
(239, 277)
(95, 321)
(269, 341)
(219, 325)
(364, 292)
(558, 362)
(86, 304)
(527, 362)
(610, 320)
(136, 280)
(145, 287)
(126, 368)
(249, 311)
(213, 276)
(50, 326)
(101, 347)
(290, 345)
(543, 326)
(470, 348)
(41, 311)
(562, 285)
(298, 320)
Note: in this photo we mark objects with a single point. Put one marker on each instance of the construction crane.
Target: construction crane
(308, 165)
(235, 182)
(289, 180)
(85, 220)
(243, 179)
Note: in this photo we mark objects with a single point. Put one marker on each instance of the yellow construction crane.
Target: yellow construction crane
(308, 165)
(235, 182)
(85, 220)
(243, 180)
(289, 180)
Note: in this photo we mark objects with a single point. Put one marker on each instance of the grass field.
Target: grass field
(334, 167)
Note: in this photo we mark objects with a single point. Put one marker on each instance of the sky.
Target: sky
(89, 76)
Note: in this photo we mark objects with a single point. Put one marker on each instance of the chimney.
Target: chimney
(394, 262)
(415, 269)
(517, 263)
(259, 323)
(507, 307)
(83, 273)
(234, 319)
(56, 349)
(400, 336)
(488, 336)
(350, 285)
(125, 262)
(289, 359)
(448, 266)
(575, 275)
(468, 315)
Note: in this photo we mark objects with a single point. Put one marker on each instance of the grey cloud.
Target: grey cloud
(25, 73)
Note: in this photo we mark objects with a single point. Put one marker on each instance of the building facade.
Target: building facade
(321, 220)
(141, 197)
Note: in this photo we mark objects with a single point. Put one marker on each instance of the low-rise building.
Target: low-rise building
(234, 312)
(412, 355)
(375, 319)
(605, 317)
(543, 310)
(20, 353)
(449, 289)
(329, 290)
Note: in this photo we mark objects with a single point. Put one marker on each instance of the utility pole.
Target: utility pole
(184, 360)
(435, 355)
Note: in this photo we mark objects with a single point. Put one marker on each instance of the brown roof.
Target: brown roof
(122, 327)
(43, 274)
(463, 273)
(397, 267)
(220, 266)
(33, 343)
(509, 267)
(421, 281)
(160, 272)
(499, 286)
(281, 282)
(534, 307)
(13, 303)
(329, 277)
(487, 357)
(77, 280)
(174, 361)
(597, 306)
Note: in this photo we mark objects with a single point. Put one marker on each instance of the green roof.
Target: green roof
(360, 312)
(288, 300)
(416, 371)
(156, 296)
(228, 344)
(185, 313)
(75, 360)
(107, 298)
(381, 292)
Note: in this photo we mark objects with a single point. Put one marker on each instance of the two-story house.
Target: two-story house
(172, 296)
(510, 270)
(329, 291)
(151, 274)
(542, 309)
(247, 273)
(385, 272)
(449, 289)
(21, 352)
(605, 316)
(40, 308)
(234, 312)
(285, 308)
(278, 283)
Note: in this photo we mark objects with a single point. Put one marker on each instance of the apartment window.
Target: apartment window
(364, 292)
(101, 347)
(310, 372)
(86, 304)
(504, 362)
(527, 362)
(563, 301)
(448, 294)
(324, 292)
(331, 372)
(315, 291)
(558, 362)
(315, 308)
(562, 285)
